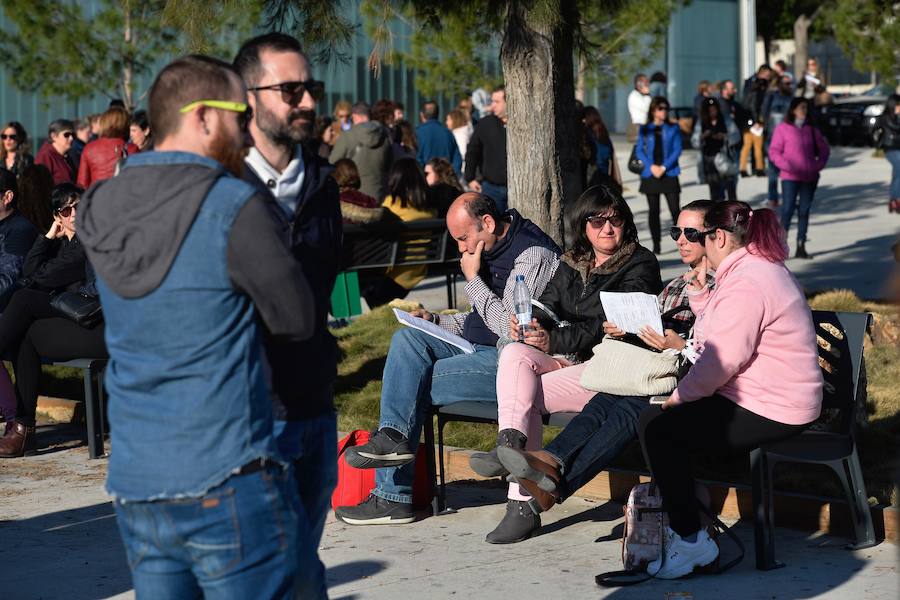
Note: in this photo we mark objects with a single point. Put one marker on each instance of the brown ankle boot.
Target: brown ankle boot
(537, 472)
(18, 441)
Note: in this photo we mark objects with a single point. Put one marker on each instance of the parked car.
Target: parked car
(853, 119)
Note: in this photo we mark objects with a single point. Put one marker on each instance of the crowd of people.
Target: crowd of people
(772, 129)
(212, 240)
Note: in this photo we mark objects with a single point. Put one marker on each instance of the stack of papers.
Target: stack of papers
(434, 330)
(631, 311)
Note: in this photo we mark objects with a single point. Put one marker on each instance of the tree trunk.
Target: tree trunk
(801, 45)
(542, 140)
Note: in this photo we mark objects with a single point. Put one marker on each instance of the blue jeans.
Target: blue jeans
(237, 541)
(773, 172)
(311, 446)
(595, 438)
(499, 193)
(893, 157)
(794, 191)
(420, 371)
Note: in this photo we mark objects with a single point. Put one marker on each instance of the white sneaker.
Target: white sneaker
(682, 556)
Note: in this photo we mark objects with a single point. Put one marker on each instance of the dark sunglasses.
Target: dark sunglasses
(66, 211)
(67, 134)
(292, 91)
(598, 222)
(690, 234)
(9, 136)
(244, 119)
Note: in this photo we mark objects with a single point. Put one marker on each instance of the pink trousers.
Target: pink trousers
(529, 384)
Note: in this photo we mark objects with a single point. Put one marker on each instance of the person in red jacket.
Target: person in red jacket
(100, 157)
(54, 153)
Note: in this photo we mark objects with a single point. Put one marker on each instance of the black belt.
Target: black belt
(257, 465)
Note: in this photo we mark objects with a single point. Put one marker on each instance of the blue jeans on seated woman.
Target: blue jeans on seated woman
(422, 371)
(797, 195)
(237, 541)
(593, 439)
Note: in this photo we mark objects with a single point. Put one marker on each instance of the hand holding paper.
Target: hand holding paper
(631, 311)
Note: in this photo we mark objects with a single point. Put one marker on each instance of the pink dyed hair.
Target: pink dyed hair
(758, 230)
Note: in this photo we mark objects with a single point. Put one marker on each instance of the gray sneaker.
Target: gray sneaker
(375, 510)
(382, 450)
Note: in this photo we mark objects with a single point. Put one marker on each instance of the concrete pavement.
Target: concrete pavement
(58, 540)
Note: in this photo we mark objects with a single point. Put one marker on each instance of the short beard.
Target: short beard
(284, 133)
(230, 155)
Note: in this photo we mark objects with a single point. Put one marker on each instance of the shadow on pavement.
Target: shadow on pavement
(352, 571)
(74, 554)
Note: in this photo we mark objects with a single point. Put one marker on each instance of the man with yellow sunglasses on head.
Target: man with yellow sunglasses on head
(191, 268)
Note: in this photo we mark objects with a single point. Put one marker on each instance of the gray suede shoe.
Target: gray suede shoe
(519, 522)
(487, 464)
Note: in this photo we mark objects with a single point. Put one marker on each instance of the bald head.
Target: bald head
(472, 218)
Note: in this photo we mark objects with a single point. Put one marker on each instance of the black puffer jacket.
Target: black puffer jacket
(890, 125)
(574, 295)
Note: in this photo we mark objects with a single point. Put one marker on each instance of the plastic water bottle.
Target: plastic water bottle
(522, 303)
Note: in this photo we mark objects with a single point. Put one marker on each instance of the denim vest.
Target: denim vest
(188, 399)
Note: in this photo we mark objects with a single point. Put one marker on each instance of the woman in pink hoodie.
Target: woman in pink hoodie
(800, 151)
(756, 381)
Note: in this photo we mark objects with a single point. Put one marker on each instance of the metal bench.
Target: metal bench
(840, 344)
(94, 413)
(469, 412)
(391, 244)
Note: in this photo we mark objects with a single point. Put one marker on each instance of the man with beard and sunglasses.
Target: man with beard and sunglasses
(191, 265)
(284, 161)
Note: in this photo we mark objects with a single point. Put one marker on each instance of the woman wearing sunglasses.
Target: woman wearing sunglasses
(659, 147)
(30, 329)
(14, 156)
(756, 382)
(54, 154)
(607, 423)
(541, 374)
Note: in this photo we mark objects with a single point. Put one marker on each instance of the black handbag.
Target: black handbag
(635, 165)
(81, 308)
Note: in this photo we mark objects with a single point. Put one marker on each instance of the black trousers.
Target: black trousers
(30, 331)
(710, 426)
(673, 200)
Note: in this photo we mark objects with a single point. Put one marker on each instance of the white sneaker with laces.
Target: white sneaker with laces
(680, 556)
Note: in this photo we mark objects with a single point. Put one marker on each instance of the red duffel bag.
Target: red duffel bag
(354, 485)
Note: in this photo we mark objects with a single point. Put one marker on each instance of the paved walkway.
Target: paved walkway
(58, 540)
(850, 231)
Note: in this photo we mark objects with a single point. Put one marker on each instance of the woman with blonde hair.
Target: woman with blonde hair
(459, 123)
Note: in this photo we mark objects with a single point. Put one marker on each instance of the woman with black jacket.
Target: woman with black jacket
(890, 141)
(30, 329)
(714, 137)
(541, 374)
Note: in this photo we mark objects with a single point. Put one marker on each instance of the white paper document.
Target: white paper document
(434, 331)
(630, 311)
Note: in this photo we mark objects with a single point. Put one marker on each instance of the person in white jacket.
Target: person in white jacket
(638, 105)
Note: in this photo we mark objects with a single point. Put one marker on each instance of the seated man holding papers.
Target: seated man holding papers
(422, 370)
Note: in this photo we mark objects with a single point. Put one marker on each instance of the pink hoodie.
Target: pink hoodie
(793, 150)
(758, 342)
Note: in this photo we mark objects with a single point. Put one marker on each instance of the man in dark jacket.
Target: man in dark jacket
(54, 154)
(17, 234)
(435, 140)
(487, 152)
(422, 370)
(307, 200)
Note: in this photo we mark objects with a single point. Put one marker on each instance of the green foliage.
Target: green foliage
(450, 59)
(622, 37)
(58, 50)
(869, 32)
(775, 18)
(321, 25)
(614, 38)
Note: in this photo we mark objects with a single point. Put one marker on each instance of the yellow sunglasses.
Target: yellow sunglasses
(245, 112)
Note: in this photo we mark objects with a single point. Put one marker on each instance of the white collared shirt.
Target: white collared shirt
(285, 186)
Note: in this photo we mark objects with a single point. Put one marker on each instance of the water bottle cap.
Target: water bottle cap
(520, 278)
